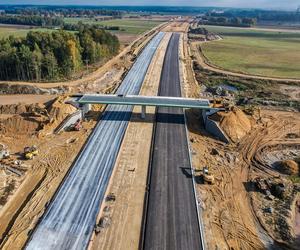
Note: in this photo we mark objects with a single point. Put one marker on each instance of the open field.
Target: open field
(19, 31)
(132, 26)
(257, 52)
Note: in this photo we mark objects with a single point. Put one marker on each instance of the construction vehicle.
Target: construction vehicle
(77, 126)
(4, 153)
(207, 176)
(30, 152)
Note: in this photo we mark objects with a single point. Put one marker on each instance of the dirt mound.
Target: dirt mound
(58, 110)
(13, 109)
(289, 167)
(234, 123)
(32, 118)
(18, 125)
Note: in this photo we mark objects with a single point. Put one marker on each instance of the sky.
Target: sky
(269, 4)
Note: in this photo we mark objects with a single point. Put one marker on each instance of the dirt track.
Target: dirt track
(206, 65)
(230, 220)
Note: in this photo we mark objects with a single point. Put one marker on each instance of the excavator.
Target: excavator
(30, 152)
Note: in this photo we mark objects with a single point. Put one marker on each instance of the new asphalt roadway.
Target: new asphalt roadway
(70, 218)
(171, 219)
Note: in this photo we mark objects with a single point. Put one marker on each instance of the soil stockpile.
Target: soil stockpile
(289, 167)
(234, 123)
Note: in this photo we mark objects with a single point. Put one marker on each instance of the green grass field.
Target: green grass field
(18, 32)
(134, 26)
(266, 53)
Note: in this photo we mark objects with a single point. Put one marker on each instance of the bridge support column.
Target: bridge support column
(85, 108)
(143, 114)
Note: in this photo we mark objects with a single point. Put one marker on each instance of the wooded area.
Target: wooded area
(54, 55)
(32, 20)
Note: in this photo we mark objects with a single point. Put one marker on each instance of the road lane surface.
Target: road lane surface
(70, 218)
(171, 219)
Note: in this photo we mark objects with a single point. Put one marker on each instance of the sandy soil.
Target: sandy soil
(38, 178)
(57, 151)
(190, 87)
(232, 214)
(26, 99)
(181, 25)
(228, 215)
(45, 175)
(128, 183)
(126, 39)
(204, 63)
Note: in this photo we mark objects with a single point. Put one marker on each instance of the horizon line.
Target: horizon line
(137, 5)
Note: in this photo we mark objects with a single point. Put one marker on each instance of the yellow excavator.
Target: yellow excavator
(30, 152)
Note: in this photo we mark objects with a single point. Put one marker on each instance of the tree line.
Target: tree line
(54, 55)
(259, 15)
(32, 20)
(65, 11)
(80, 26)
(224, 21)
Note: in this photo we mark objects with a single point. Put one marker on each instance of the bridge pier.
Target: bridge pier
(143, 114)
(85, 108)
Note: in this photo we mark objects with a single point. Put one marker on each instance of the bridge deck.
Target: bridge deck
(158, 101)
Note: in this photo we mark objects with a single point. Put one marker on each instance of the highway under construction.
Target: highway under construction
(70, 217)
(153, 150)
(171, 215)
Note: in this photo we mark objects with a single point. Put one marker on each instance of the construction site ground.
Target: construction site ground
(128, 182)
(233, 210)
(33, 182)
(24, 197)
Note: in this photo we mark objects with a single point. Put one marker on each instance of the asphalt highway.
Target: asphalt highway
(70, 218)
(171, 219)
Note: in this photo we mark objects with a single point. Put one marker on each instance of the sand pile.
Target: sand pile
(18, 125)
(289, 167)
(33, 118)
(234, 123)
(58, 110)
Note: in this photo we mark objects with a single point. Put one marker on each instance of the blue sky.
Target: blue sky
(270, 4)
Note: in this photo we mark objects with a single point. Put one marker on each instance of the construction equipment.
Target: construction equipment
(4, 153)
(77, 126)
(30, 152)
(207, 176)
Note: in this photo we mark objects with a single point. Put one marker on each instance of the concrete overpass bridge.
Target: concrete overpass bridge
(136, 100)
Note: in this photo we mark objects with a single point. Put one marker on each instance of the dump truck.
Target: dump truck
(30, 152)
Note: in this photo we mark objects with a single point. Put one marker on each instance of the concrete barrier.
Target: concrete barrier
(69, 120)
(213, 127)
